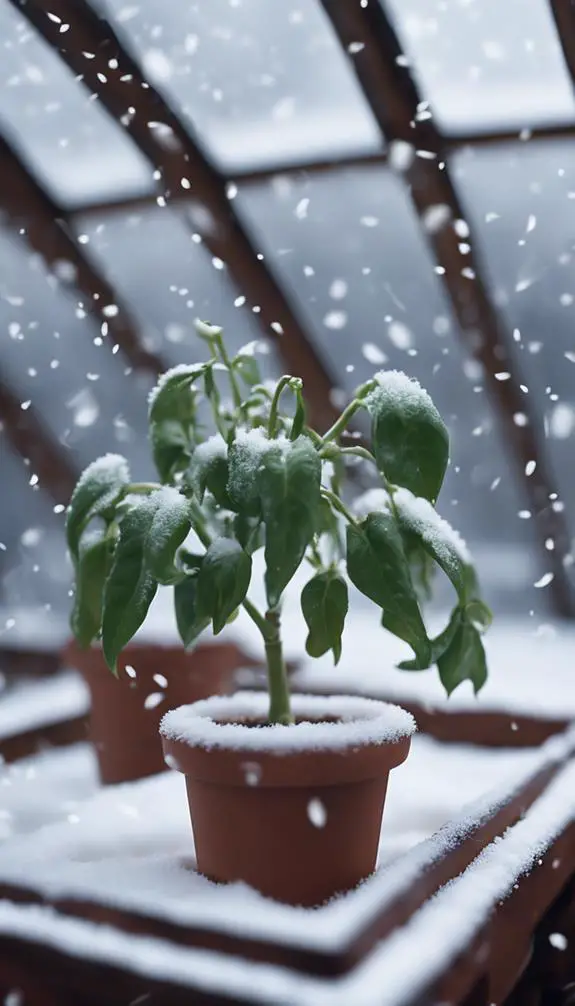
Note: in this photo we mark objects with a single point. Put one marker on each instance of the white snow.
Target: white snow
(422, 518)
(396, 390)
(530, 669)
(46, 788)
(250, 448)
(170, 508)
(96, 858)
(371, 501)
(213, 447)
(110, 468)
(27, 706)
(189, 370)
(361, 722)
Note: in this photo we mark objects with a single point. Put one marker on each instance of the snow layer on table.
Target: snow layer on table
(27, 706)
(46, 788)
(531, 670)
(362, 722)
(130, 846)
(386, 978)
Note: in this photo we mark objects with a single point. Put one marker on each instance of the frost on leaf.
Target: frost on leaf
(419, 516)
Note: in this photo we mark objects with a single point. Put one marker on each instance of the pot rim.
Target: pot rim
(361, 722)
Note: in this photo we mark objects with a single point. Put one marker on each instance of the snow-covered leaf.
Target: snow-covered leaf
(98, 488)
(170, 527)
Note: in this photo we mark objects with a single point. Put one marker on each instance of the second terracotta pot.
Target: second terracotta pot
(126, 711)
(293, 811)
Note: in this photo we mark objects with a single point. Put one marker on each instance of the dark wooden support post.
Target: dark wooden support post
(36, 218)
(392, 93)
(45, 458)
(114, 76)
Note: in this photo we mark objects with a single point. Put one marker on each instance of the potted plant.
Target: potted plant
(286, 792)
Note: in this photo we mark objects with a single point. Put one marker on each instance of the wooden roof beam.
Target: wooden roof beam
(35, 217)
(390, 88)
(115, 77)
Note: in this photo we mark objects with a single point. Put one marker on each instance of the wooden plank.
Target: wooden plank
(423, 871)
(37, 219)
(394, 99)
(115, 77)
(44, 457)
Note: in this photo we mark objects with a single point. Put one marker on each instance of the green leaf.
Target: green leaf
(299, 417)
(438, 645)
(478, 614)
(248, 531)
(463, 660)
(91, 573)
(172, 418)
(419, 519)
(289, 486)
(377, 565)
(410, 439)
(223, 581)
(324, 604)
(246, 365)
(209, 470)
(170, 528)
(245, 456)
(130, 587)
(172, 446)
(98, 489)
(191, 623)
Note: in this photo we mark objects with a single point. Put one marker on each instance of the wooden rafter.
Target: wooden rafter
(44, 456)
(37, 219)
(115, 77)
(390, 88)
(563, 12)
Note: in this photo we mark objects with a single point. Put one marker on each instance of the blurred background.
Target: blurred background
(359, 185)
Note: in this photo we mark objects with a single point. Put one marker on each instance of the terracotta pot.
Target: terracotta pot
(123, 730)
(293, 811)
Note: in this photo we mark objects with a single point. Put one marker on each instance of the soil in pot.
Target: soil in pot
(126, 711)
(293, 811)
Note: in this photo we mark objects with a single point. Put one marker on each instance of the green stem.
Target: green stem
(359, 452)
(279, 710)
(273, 418)
(343, 422)
(236, 393)
(141, 488)
(337, 504)
(257, 618)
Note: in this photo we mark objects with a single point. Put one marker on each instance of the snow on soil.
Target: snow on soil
(386, 977)
(361, 722)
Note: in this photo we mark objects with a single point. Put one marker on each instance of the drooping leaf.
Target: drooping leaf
(248, 531)
(189, 620)
(98, 488)
(420, 520)
(223, 581)
(463, 660)
(245, 456)
(377, 565)
(438, 645)
(324, 603)
(246, 365)
(299, 418)
(478, 613)
(170, 527)
(130, 587)
(410, 439)
(91, 572)
(172, 417)
(289, 486)
(209, 470)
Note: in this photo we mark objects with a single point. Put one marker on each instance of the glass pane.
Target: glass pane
(69, 141)
(520, 202)
(348, 247)
(159, 267)
(265, 84)
(488, 65)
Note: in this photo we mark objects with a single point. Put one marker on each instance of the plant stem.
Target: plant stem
(257, 618)
(236, 393)
(359, 452)
(341, 424)
(279, 711)
(338, 505)
(141, 488)
(273, 418)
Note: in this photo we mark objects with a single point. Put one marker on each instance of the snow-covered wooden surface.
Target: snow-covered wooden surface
(131, 847)
(433, 937)
(29, 705)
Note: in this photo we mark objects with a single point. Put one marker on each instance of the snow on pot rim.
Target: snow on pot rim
(359, 722)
